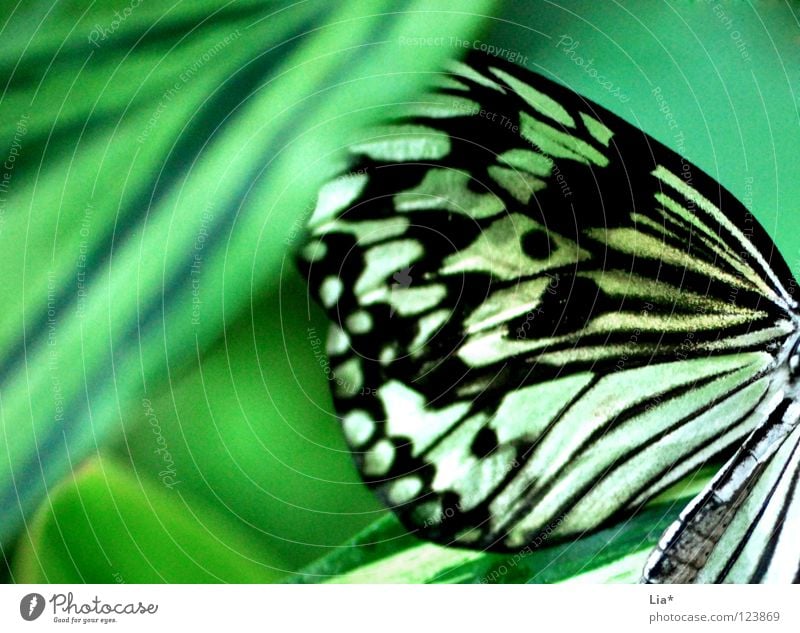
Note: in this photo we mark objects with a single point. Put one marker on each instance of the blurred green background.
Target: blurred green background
(164, 416)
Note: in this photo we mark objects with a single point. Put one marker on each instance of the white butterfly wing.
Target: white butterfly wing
(542, 317)
(743, 528)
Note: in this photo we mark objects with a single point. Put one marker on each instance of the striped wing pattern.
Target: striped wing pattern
(542, 317)
(743, 528)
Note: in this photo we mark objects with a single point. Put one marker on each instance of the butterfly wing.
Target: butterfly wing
(743, 527)
(541, 316)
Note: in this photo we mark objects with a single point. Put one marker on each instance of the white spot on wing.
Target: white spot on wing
(359, 322)
(405, 143)
(409, 417)
(358, 427)
(378, 460)
(336, 196)
(330, 291)
(385, 259)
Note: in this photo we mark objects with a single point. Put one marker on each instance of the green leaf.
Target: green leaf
(105, 525)
(386, 553)
(160, 179)
(252, 432)
(381, 555)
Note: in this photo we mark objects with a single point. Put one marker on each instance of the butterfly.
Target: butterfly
(542, 318)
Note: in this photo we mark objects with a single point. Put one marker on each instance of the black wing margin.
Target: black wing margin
(529, 298)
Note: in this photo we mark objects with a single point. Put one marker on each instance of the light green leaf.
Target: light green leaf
(103, 525)
(251, 432)
(160, 178)
(385, 553)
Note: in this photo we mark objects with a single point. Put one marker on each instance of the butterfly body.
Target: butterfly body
(543, 318)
